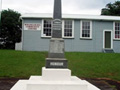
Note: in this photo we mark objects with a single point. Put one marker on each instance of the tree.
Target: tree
(10, 29)
(112, 9)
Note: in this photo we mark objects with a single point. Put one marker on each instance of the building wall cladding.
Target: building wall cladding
(32, 40)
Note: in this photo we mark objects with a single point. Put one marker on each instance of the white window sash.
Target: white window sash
(115, 30)
(63, 24)
(43, 35)
(82, 29)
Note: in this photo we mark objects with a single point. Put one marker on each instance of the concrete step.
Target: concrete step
(108, 50)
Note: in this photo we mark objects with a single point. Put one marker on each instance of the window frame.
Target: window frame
(63, 29)
(115, 30)
(81, 23)
(43, 35)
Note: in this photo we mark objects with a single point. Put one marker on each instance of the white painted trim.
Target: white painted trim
(104, 39)
(22, 39)
(81, 29)
(71, 16)
(90, 29)
(73, 24)
(114, 32)
(42, 28)
(63, 29)
(42, 35)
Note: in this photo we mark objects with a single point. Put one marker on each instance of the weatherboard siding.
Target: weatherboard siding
(116, 46)
(32, 40)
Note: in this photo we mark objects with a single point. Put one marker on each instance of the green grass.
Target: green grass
(20, 63)
(90, 65)
(95, 65)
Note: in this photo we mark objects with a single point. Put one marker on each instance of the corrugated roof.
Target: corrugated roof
(72, 16)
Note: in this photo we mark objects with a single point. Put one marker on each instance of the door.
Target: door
(108, 39)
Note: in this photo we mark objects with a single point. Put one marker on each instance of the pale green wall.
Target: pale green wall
(32, 40)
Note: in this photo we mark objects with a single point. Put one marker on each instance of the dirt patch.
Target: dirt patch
(103, 84)
(7, 83)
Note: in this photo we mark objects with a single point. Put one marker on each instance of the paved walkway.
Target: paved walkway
(105, 84)
(7, 83)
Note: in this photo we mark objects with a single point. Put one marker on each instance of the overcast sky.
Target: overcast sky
(92, 7)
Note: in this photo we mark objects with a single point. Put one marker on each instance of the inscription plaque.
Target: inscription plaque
(56, 63)
(57, 24)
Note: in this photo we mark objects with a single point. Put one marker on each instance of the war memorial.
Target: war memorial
(55, 74)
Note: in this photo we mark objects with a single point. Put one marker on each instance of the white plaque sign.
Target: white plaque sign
(32, 26)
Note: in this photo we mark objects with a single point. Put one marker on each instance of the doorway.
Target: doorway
(108, 42)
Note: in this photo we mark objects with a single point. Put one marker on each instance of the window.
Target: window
(68, 27)
(47, 28)
(86, 29)
(117, 30)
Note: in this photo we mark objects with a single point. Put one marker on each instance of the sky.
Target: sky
(90, 7)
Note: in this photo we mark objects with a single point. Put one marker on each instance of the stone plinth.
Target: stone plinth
(56, 57)
(56, 48)
(54, 79)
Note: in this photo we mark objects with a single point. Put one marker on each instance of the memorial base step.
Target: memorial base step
(54, 79)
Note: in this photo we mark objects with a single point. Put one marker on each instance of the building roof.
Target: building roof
(72, 16)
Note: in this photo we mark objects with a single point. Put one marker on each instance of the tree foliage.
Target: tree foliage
(112, 9)
(10, 29)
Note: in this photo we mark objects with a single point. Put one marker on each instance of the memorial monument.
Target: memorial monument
(56, 57)
(55, 76)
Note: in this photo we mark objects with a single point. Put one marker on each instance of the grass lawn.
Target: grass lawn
(90, 65)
